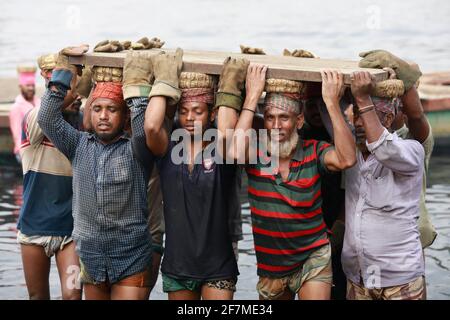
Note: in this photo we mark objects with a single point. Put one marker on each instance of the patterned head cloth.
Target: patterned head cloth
(284, 101)
(109, 90)
(386, 105)
(205, 95)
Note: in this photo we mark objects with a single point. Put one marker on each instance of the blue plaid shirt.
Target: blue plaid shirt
(109, 183)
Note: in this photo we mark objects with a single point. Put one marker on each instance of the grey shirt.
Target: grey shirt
(381, 244)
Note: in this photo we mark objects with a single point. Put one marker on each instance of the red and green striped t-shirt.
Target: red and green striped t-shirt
(287, 216)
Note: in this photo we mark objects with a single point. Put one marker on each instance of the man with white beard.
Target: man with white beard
(291, 243)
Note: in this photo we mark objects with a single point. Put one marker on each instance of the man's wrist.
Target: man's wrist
(251, 102)
(363, 101)
(334, 102)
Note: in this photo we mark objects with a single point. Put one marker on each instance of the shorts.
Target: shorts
(139, 280)
(316, 268)
(51, 244)
(171, 284)
(414, 290)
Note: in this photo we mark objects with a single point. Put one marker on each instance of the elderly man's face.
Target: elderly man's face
(286, 122)
(108, 118)
(28, 91)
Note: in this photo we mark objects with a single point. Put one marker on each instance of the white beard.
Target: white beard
(285, 148)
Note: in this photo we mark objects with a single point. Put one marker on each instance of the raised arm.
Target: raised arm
(164, 93)
(409, 74)
(50, 118)
(417, 121)
(137, 73)
(229, 100)
(254, 87)
(402, 156)
(156, 129)
(344, 154)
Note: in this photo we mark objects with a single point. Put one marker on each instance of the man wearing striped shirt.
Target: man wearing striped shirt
(290, 236)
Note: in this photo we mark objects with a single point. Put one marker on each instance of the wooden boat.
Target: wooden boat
(434, 91)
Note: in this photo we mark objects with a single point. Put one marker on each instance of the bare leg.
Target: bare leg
(184, 295)
(156, 262)
(315, 290)
(129, 293)
(36, 267)
(69, 269)
(97, 292)
(209, 293)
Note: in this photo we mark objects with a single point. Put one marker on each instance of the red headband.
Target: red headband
(109, 90)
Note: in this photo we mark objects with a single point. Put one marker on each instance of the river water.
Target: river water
(12, 283)
(415, 29)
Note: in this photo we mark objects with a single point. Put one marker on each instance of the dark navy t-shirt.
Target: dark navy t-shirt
(198, 244)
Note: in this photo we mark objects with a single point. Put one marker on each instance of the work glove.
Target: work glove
(150, 44)
(84, 84)
(167, 70)
(383, 59)
(62, 63)
(232, 83)
(250, 50)
(137, 75)
(299, 53)
(109, 46)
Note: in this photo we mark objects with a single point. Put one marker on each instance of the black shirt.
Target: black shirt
(198, 244)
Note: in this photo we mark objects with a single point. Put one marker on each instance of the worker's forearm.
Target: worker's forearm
(343, 138)
(372, 125)
(417, 122)
(244, 124)
(154, 115)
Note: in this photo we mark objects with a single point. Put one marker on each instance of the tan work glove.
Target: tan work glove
(250, 50)
(62, 63)
(109, 46)
(137, 75)
(167, 70)
(126, 44)
(299, 53)
(150, 44)
(231, 83)
(84, 85)
(383, 59)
